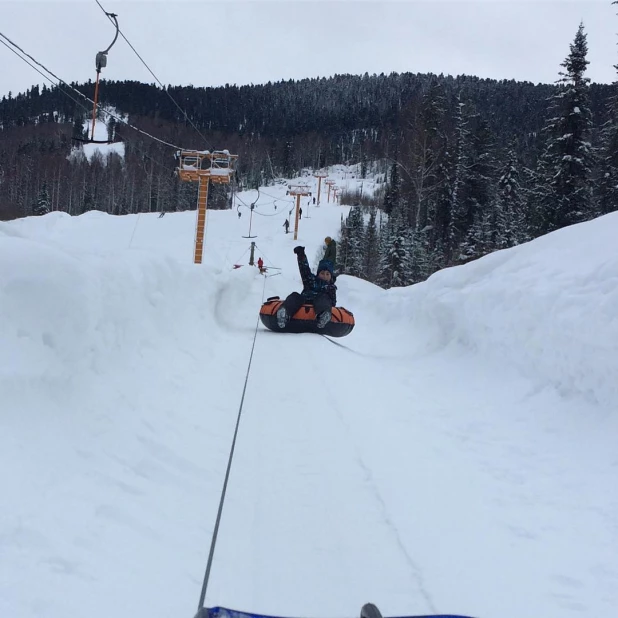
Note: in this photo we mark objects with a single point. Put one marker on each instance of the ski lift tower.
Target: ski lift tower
(330, 184)
(319, 176)
(203, 166)
(298, 191)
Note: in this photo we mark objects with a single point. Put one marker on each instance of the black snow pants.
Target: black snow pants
(295, 301)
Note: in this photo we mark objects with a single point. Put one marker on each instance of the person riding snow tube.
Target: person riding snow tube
(314, 308)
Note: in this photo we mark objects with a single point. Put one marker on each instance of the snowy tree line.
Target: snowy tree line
(474, 165)
(455, 195)
(276, 129)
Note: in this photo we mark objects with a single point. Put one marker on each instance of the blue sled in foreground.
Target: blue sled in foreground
(368, 610)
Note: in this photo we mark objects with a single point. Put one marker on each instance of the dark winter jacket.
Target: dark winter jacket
(331, 252)
(312, 284)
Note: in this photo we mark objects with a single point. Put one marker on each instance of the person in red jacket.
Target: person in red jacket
(260, 265)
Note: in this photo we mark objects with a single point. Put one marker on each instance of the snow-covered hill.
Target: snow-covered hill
(458, 455)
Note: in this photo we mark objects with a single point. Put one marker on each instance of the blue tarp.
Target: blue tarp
(224, 612)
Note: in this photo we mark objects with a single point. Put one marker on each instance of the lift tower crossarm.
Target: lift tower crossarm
(203, 166)
(330, 184)
(298, 191)
(319, 176)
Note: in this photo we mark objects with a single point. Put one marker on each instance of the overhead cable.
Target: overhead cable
(108, 113)
(156, 78)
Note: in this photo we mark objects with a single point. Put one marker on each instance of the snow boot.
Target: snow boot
(323, 319)
(282, 317)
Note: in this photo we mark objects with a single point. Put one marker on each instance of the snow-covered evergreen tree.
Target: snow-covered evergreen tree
(478, 191)
(89, 201)
(343, 246)
(427, 143)
(439, 212)
(111, 129)
(457, 220)
(508, 223)
(43, 202)
(478, 237)
(355, 235)
(79, 130)
(392, 195)
(606, 193)
(421, 263)
(371, 249)
(563, 194)
(363, 166)
(395, 260)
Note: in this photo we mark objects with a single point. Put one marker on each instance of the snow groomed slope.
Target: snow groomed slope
(457, 455)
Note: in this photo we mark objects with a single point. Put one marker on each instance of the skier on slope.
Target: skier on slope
(319, 290)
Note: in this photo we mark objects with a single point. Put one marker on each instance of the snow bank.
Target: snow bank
(63, 314)
(548, 307)
(122, 366)
(117, 394)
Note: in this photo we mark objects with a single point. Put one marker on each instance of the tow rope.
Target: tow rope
(215, 533)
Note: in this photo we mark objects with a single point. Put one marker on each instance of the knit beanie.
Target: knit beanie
(326, 265)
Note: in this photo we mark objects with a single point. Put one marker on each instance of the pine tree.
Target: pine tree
(355, 236)
(564, 193)
(478, 238)
(79, 130)
(392, 195)
(343, 246)
(508, 223)
(395, 262)
(426, 149)
(371, 250)
(43, 202)
(111, 129)
(439, 213)
(477, 191)
(363, 166)
(89, 200)
(606, 194)
(607, 189)
(457, 216)
(421, 264)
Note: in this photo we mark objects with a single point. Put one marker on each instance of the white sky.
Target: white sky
(209, 43)
(458, 457)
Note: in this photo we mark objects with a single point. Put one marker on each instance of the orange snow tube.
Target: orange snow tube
(304, 320)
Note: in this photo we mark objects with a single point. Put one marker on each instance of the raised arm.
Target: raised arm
(303, 266)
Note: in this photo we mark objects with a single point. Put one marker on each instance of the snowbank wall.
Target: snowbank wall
(64, 314)
(548, 307)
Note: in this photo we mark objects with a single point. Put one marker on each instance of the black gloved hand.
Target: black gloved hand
(299, 250)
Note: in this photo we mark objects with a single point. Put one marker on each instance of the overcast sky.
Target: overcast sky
(207, 43)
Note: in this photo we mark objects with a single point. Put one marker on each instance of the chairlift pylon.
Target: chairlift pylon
(250, 221)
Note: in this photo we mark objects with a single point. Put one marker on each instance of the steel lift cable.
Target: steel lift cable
(215, 533)
(83, 96)
(182, 111)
